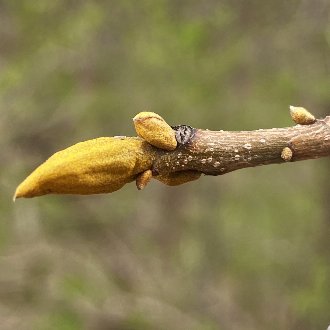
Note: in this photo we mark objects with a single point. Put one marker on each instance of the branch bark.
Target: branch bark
(220, 152)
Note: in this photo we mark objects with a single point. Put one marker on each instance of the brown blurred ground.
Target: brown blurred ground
(249, 250)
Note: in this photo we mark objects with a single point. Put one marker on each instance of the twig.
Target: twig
(173, 155)
(220, 152)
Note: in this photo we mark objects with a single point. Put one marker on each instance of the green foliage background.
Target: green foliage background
(249, 250)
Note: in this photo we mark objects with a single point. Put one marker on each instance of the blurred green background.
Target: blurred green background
(249, 250)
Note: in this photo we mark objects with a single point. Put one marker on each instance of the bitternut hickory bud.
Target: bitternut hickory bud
(177, 178)
(286, 154)
(143, 179)
(154, 129)
(301, 116)
(102, 165)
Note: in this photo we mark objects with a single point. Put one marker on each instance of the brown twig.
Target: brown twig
(173, 155)
(220, 152)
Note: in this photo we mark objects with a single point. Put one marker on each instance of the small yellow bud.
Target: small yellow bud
(286, 154)
(154, 129)
(177, 178)
(102, 165)
(301, 116)
(143, 179)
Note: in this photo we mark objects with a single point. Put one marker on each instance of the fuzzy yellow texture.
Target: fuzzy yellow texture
(177, 178)
(301, 116)
(143, 179)
(102, 165)
(154, 129)
(286, 154)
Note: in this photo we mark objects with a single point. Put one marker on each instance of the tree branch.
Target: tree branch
(173, 155)
(220, 152)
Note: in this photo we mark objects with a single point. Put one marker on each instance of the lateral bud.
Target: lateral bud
(154, 129)
(177, 178)
(301, 116)
(143, 179)
(286, 154)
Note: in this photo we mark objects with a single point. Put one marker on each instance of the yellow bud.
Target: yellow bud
(143, 179)
(154, 129)
(102, 165)
(177, 178)
(286, 154)
(301, 116)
